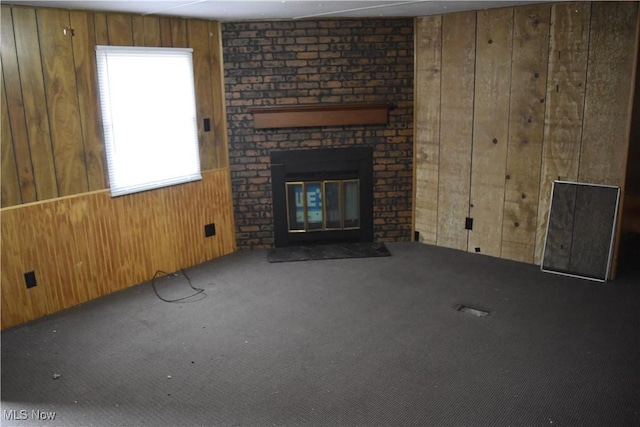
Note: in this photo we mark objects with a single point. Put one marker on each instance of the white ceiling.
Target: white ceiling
(241, 10)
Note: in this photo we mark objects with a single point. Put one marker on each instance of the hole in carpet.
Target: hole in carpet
(478, 312)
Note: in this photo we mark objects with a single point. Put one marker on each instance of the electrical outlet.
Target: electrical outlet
(210, 230)
(468, 223)
(30, 279)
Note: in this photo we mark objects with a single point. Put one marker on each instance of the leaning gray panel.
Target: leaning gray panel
(580, 230)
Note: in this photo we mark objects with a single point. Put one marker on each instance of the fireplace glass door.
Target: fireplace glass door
(323, 205)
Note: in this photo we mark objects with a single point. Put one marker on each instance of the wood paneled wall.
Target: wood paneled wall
(52, 139)
(631, 207)
(86, 246)
(58, 218)
(509, 100)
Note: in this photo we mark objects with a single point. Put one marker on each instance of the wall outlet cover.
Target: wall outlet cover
(30, 279)
(210, 230)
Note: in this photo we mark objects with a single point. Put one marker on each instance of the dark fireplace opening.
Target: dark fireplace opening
(322, 195)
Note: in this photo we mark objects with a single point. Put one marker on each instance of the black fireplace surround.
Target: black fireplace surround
(319, 165)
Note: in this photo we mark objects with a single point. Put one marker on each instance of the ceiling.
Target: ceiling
(242, 10)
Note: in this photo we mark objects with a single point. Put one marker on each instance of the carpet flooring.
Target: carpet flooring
(330, 251)
(368, 341)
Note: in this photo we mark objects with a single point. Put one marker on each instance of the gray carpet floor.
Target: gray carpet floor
(372, 341)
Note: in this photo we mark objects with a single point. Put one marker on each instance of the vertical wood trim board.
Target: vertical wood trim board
(456, 127)
(427, 135)
(198, 37)
(10, 187)
(569, 46)
(629, 212)
(526, 129)
(606, 112)
(606, 117)
(490, 129)
(219, 106)
(86, 246)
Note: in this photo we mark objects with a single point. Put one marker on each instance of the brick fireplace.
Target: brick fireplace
(319, 62)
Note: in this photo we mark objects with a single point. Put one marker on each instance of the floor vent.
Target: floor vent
(478, 312)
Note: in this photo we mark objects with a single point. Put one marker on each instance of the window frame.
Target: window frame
(179, 142)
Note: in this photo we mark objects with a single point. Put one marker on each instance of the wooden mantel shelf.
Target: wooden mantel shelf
(307, 115)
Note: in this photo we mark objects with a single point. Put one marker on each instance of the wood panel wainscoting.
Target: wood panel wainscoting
(86, 246)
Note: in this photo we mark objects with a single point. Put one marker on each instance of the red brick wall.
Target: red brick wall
(319, 61)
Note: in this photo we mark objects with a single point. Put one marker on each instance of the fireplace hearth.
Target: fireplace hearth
(322, 195)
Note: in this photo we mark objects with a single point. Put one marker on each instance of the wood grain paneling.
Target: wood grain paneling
(86, 245)
(165, 32)
(456, 124)
(52, 97)
(526, 130)
(607, 96)
(10, 184)
(179, 33)
(102, 31)
(152, 31)
(219, 106)
(120, 29)
(427, 135)
(490, 129)
(567, 83)
(34, 101)
(62, 101)
(198, 39)
(89, 245)
(88, 99)
(569, 38)
(137, 28)
(15, 109)
(605, 133)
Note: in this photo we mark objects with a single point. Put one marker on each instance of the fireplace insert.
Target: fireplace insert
(322, 195)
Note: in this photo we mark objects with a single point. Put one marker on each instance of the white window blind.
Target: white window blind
(149, 117)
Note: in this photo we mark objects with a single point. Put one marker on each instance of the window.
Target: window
(149, 117)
